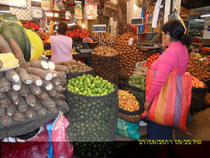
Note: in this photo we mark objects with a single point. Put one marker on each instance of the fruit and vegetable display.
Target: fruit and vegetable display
(128, 101)
(196, 83)
(197, 69)
(105, 51)
(29, 42)
(151, 60)
(205, 51)
(47, 53)
(78, 33)
(90, 86)
(75, 66)
(94, 108)
(206, 60)
(129, 55)
(31, 89)
(129, 107)
(105, 63)
(74, 51)
(106, 39)
(138, 80)
(44, 36)
(31, 25)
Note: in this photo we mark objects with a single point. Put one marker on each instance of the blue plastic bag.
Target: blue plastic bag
(49, 128)
(128, 129)
(59, 145)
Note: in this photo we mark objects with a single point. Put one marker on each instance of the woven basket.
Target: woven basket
(197, 101)
(133, 117)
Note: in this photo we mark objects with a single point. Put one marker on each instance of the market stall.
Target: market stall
(101, 90)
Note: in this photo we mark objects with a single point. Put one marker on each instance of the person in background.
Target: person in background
(175, 55)
(61, 45)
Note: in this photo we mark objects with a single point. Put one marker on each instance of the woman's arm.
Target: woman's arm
(165, 65)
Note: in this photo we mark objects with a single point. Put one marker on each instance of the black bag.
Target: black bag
(128, 116)
(197, 100)
(106, 67)
(93, 118)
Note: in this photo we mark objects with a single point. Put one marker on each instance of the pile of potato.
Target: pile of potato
(75, 66)
(35, 88)
(105, 51)
(106, 39)
(105, 62)
(197, 69)
(129, 55)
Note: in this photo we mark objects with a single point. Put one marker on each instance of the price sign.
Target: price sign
(137, 21)
(130, 42)
(99, 28)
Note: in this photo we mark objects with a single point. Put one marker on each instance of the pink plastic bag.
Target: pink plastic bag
(61, 145)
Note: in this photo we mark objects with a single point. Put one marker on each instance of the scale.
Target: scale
(137, 22)
(99, 29)
(147, 39)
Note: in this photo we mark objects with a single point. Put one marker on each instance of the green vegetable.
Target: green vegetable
(90, 86)
(138, 80)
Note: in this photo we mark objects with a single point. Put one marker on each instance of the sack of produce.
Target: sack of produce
(198, 94)
(76, 68)
(105, 63)
(94, 108)
(136, 86)
(128, 129)
(129, 108)
(197, 100)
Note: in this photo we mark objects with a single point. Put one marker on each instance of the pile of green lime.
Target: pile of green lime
(90, 86)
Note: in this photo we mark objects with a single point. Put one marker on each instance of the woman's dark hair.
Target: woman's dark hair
(62, 28)
(176, 31)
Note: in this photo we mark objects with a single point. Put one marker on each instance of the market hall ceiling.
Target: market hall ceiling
(191, 4)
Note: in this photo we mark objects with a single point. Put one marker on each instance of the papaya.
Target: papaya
(8, 60)
(37, 47)
(11, 29)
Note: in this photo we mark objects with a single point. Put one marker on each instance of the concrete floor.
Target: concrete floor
(199, 128)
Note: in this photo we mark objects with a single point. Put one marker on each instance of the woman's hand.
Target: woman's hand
(146, 105)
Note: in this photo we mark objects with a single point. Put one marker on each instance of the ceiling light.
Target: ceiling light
(200, 20)
(49, 14)
(56, 14)
(37, 0)
(205, 15)
(4, 11)
(71, 24)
